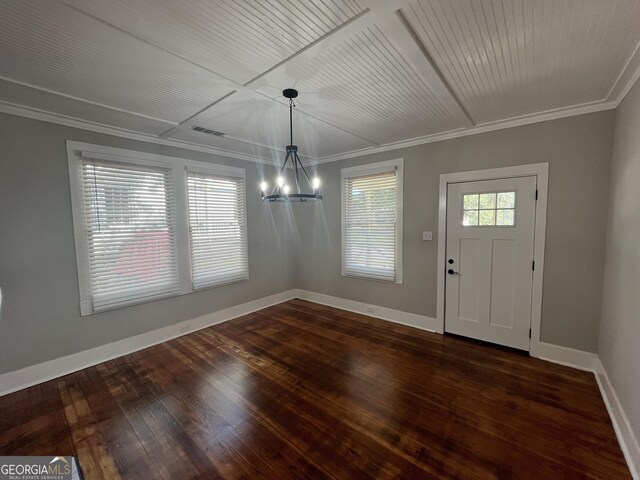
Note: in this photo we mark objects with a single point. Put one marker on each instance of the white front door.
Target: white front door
(489, 259)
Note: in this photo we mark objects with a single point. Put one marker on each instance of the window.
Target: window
(217, 229)
(489, 209)
(129, 231)
(372, 221)
(149, 227)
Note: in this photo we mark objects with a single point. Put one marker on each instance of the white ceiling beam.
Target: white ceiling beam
(345, 30)
(334, 37)
(219, 79)
(627, 78)
(389, 17)
(262, 84)
(175, 129)
(84, 100)
(384, 15)
(380, 13)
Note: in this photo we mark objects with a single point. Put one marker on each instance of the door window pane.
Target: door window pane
(470, 218)
(489, 209)
(471, 202)
(504, 217)
(487, 200)
(506, 200)
(487, 217)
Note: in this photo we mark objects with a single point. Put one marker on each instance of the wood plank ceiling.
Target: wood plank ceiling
(372, 74)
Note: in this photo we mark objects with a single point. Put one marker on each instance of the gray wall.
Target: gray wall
(578, 150)
(40, 318)
(619, 347)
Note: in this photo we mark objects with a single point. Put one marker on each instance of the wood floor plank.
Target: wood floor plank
(391, 416)
(270, 409)
(157, 434)
(302, 390)
(405, 381)
(97, 461)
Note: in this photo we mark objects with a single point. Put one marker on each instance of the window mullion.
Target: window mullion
(182, 229)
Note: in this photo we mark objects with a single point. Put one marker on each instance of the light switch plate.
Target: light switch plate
(427, 236)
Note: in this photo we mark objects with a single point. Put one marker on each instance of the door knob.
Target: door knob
(451, 272)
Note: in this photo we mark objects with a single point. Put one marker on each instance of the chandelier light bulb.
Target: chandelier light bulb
(280, 182)
(286, 189)
(263, 186)
(316, 183)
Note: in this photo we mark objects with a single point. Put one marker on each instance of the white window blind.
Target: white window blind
(129, 213)
(370, 225)
(217, 228)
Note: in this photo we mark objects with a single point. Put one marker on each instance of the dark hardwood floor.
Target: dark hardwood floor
(301, 390)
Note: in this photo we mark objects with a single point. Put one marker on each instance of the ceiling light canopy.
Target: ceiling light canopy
(281, 191)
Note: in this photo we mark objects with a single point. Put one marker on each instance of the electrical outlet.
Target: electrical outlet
(185, 328)
(371, 310)
(427, 236)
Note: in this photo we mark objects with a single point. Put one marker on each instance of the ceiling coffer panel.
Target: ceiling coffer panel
(69, 108)
(48, 45)
(366, 86)
(369, 72)
(261, 120)
(237, 39)
(506, 59)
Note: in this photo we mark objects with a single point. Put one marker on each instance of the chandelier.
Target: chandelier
(281, 191)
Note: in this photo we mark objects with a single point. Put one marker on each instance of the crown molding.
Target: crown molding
(41, 115)
(65, 120)
(379, 11)
(481, 128)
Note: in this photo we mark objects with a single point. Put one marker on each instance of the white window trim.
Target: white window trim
(179, 167)
(372, 169)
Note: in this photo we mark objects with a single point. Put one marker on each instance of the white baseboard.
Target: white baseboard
(546, 351)
(42, 372)
(26, 377)
(591, 362)
(422, 322)
(566, 356)
(626, 437)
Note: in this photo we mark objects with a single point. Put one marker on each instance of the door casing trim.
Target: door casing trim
(541, 171)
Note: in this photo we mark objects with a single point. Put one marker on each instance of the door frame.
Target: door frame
(539, 170)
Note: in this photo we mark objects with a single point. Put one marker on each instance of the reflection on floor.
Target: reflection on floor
(300, 390)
